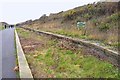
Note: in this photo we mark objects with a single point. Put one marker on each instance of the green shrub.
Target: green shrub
(115, 17)
(69, 15)
(69, 52)
(87, 16)
(104, 27)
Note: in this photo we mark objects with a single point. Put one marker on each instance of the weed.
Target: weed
(62, 63)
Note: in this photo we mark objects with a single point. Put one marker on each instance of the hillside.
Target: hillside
(101, 23)
(2, 24)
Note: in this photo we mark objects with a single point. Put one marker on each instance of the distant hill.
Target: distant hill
(3, 23)
(82, 13)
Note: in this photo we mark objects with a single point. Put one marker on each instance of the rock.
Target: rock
(35, 56)
(16, 68)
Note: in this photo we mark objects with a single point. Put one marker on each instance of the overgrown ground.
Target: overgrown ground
(1, 28)
(52, 58)
(103, 30)
(102, 21)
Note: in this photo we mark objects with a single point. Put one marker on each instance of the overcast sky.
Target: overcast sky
(14, 11)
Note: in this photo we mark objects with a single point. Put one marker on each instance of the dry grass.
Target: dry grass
(108, 38)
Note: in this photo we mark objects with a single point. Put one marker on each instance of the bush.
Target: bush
(115, 17)
(87, 16)
(95, 22)
(104, 27)
(69, 15)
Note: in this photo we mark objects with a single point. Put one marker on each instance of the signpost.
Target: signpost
(81, 25)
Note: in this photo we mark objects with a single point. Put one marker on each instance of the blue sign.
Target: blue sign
(81, 24)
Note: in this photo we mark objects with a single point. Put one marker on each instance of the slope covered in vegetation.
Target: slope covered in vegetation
(101, 22)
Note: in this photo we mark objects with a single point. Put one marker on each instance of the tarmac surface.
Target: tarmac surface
(7, 51)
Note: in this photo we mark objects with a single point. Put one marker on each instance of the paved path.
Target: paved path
(0, 54)
(8, 53)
